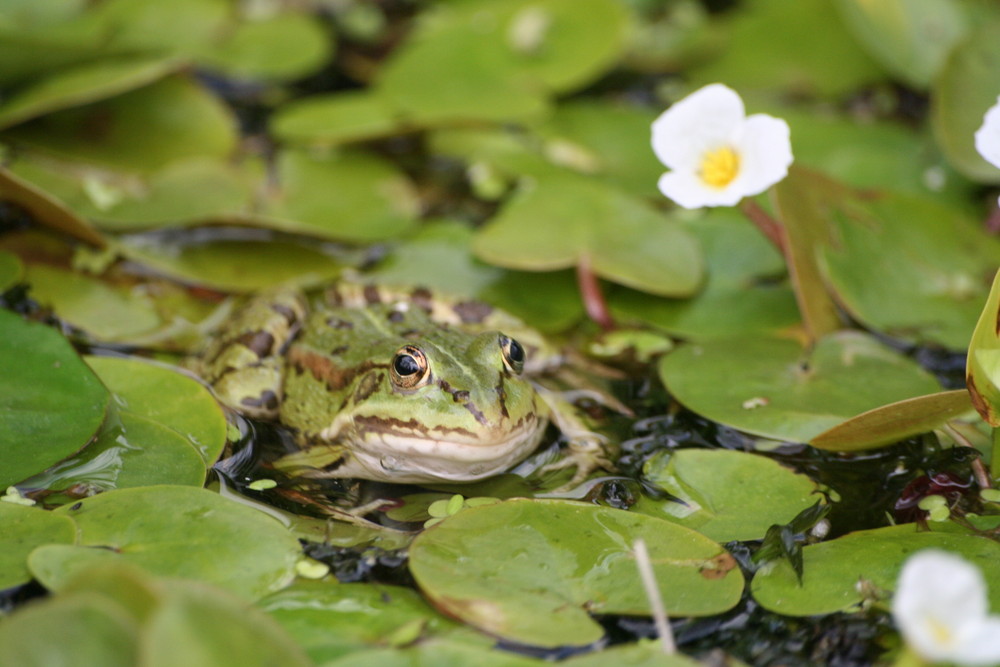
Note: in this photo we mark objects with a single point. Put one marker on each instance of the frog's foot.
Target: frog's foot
(587, 453)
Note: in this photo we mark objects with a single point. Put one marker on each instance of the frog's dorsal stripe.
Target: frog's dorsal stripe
(324, 370)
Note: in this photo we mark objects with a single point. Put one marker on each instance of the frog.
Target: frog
(397, 386)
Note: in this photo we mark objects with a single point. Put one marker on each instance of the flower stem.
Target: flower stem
(773, 230)
(648, 577)
(593, 297)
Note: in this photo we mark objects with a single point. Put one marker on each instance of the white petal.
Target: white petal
(765, 150)
(689, 191)
(938, 595)
(979, 645)
(702, 121)
(988, 135)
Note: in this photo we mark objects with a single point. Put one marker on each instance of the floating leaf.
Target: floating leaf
(143, 130)
(327, 120)
(82, 84)
(964, 89)
(108, 313)
(11, 270)
(982, 371)
(45, 209)
(179, 27)
(801, 46)
(51, 404)
(910, 39)
(192, 411)
(346, 196)
(563, 219)
(282, 47)
(525, 570)
(739, 294)
(894, 422)
(725, 495)
(332, 620)
(251, 263)
(784, 392)
(832, 570)
(908, 267)
(25, 528)
(202, 536)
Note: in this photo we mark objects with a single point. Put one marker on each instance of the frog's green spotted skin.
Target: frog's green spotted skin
(380, 387)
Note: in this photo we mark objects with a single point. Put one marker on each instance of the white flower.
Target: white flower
(940, 607)
(988, 135)
(717, 155)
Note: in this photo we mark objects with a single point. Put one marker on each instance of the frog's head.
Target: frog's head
(447, 409)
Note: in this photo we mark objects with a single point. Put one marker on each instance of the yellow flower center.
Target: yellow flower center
(719, 167)
(941, 632)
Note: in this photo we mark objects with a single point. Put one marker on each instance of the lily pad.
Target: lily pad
(910, 39)
(191, 411)
(277, 48)
(801, 46)
(908, 267)
(724, 494)
(11, 270)
(740, 294)
(563, 219)
(526, 570)
(91, 630)
(982, 372)
(346, 196)
(25, 528)
(199, 535)
(832, 570)
(253, 262)
(108, 313)
(51, 404)
(81, 85)
(142, 130)
(332, 620)
(774, 388)
(962, 92)
(894, 422)
(46, 209)
(178, 28)
(328, 120)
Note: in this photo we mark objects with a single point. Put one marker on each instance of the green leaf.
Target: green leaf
(832, 570)
(982, 371)
(176, 531)
(798, 46)
(91, 630)
(179, 27)
(328, 120)
(894, 422)
(140, 387)
(46, 209)
(277, 48)
(725, 495)
(51, 404)
(525, 570)
(739, 295)
(775, 388)
(82, 84)
(142, 130)
(346, 196)
(11, 270)
(25, 528)
(562, 219)
(962, 92)
(332, 620)
(910, 39)
(907, 266)
(108, 313)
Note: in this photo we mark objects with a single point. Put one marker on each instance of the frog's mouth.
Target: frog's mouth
(408, 452)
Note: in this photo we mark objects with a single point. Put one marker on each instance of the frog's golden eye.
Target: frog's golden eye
(409, 368)
(513, 354)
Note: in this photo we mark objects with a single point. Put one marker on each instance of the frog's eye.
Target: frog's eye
(513, 354)
(409, 368)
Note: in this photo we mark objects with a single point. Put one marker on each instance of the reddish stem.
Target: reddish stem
(593, 297)
(773, 230)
